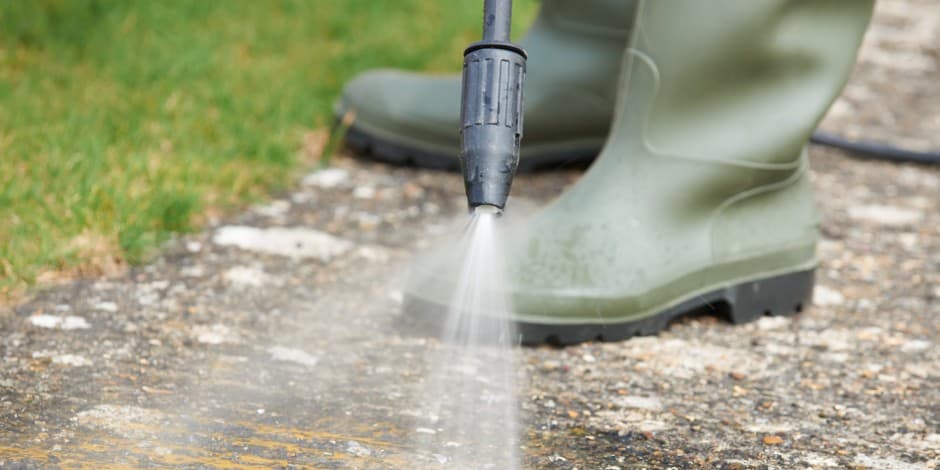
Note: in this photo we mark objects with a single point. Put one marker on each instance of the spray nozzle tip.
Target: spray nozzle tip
(486, 209)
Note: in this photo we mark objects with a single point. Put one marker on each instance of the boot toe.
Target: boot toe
(407, 105)
(367, 92)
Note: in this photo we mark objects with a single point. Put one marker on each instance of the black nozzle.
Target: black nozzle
(491, 109)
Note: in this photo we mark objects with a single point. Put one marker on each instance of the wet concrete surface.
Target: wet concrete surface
(271, 339)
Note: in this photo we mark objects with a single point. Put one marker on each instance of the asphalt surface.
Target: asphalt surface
(270, 339)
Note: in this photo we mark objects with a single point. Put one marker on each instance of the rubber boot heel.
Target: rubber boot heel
(779, 295)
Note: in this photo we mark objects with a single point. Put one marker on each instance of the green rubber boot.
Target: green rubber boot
(574, 61)
(701, 197)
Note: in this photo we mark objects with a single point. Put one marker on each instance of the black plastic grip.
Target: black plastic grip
(491, 120)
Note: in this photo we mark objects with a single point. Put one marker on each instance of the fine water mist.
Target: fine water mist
(471, 392)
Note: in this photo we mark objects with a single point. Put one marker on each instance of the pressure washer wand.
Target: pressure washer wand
(491, 109)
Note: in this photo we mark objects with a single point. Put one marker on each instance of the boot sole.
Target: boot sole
(780, 295)
(366, 144)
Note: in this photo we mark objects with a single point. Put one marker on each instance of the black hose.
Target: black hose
(875, 150)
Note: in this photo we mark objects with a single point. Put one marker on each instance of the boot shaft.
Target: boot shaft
(574, 50)
(612, 18)
(743, 83)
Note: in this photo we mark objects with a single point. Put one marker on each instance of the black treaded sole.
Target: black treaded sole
(377, 148)
(773, 296)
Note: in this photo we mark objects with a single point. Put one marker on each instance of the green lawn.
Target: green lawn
(123, 121)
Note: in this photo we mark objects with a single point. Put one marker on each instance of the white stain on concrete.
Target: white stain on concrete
(326, 178)
(46, 321)
(741, 463)
(820, 460)
(273, 209)
(830, 340)
(827, 297)
(148, 299)
(214, 334)
(302, 197)
(915, 346)
(892, 216)
(296, 356)
(373, 253)
(126, 421)
(246, 276)
(772, 323)
(282, 241)
(69, 360)
(193, 271)
(624, 421)
(357, 449)
(686, 359)
(922, 369)
(918, 177)
(366, 220)
(769, 428)
(653, 425)
(909, 240)
(837, 357)
(866, 461)
(364, 192)
(642, 403)
(396, 295)
(70, 322)
(109, 307)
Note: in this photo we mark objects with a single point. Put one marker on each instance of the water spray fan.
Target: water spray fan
(491, 110)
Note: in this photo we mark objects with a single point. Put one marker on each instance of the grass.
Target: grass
(123, 122)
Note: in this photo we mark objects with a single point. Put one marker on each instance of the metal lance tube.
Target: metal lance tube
(491, 109)
(497, 20)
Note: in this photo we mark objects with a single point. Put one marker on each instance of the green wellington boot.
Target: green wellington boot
(701, 197)
(574, 59)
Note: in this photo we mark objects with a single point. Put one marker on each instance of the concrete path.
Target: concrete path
(270, 340)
